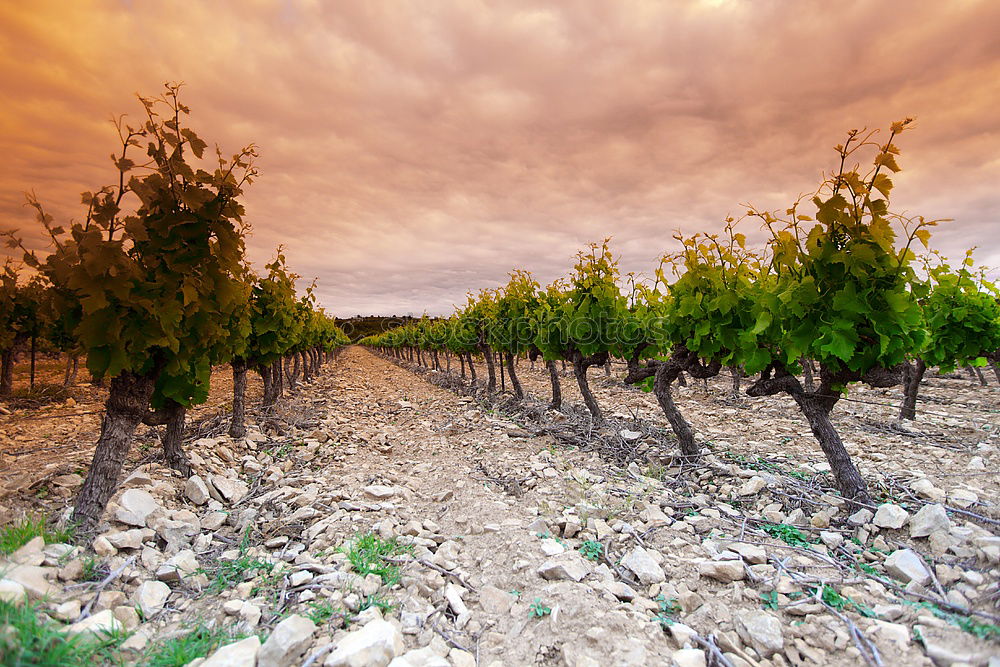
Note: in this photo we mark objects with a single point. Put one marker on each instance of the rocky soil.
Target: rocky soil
(522, 538)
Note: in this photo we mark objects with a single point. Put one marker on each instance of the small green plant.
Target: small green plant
(380, 601)
(229, 573)
(368, 553)
(15, 535)
(202, 640)
(93, 569)
(790, 535)
(321, 612)
(830, 596)
(516, 593)
(30, 638)
(769, 600)
(537, 609)
(988, 631)
(591, 550)
(668, 609)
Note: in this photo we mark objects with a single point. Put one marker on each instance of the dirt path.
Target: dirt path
(731, 551)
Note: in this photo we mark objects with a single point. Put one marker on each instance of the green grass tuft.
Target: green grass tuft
(28, 637)
(198, 643)
(15, 535)
(368, 553)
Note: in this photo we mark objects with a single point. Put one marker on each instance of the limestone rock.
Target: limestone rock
(564, 566)
(100, 623)
(689, 657)
(151, 596)
(181, 564)
(231, 490)
(374, 645)
(907, 565)
(925, 489)
(239, 654)
(134, 506)
(287, 643)
(929, 519)
(12, 591)
(644, 567)
(760, 630)
(752, 487)
(379, 491)
(890, 516)
(861, 517)
(32, 580)
(495, 601)
(196, 490)
(725, 571)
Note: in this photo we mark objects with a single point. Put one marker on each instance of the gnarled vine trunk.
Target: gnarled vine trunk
(7, 372)
(237, 427)
(514, 382)
(472, 367)
(128, 401)
(913, 373)
(580, 366)
(556, 389)
(491, 384)
(816, 407)
(173, 439)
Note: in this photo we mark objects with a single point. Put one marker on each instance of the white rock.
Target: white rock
(760, 630)
(895, 632)
(564, 566)
(182, 564)
(752, 486)
(30, 552)
(722, 570)
(641, 563)
(552, 548)
(831, 539)
(126, 539)
(287, 643)
(929, 519)
(861, 517)
(134, 506)
(925, 489)
(689, 657)
(196, 490)
(151, 596)
(239, 654)
(374, 645)
(231, 490)
(495, 601)
(100, 623)
(32, 579)
(12, 591)
(379, 491)
(681, 633)
(907, 565)
(890, 516)
(421, 657)
(962, 498)
(751, 553)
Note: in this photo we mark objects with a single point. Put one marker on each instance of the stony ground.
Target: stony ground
(522, 538)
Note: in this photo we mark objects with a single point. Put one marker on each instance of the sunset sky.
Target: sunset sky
(411, 151)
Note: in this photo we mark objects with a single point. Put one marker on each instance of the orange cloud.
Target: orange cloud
(413, 151)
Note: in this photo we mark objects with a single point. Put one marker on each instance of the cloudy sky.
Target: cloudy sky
(411, 151)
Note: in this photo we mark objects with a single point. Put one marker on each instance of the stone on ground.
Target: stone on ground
(287, 642)
(238, 654)
(134, 506)
(374, 645)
